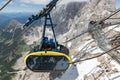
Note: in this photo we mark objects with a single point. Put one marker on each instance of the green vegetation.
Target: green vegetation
(22, 48)
(10, 51)
(6, 65)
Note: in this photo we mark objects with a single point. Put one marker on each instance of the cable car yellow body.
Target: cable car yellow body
(47, 54)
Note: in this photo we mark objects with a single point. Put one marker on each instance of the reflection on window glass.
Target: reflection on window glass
(36, 63)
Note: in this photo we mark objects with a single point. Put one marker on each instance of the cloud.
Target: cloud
(44, 2)
(23, 5)
(67, 1)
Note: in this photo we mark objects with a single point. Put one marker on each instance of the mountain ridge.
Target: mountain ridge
(72, 25)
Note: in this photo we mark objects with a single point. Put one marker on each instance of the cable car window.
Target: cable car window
(47, 63)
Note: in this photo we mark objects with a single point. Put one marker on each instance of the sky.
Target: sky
(28, 5)
(33, 5)
(21, 6)
(118, 3)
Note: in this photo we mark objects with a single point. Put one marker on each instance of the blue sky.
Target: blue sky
(19, 6)
(32, 5)
(118, 3)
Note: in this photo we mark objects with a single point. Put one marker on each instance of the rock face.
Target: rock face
(94, 10)
(105, 4)
(72, 19)
(65, 13)
(12, 29)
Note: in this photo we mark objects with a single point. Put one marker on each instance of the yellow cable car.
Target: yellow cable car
(49, 55)
(47, 61)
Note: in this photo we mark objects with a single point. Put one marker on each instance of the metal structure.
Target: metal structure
(48, 22)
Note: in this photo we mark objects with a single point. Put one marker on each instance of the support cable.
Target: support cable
(5, 5)
(98, 22)
(79, 60)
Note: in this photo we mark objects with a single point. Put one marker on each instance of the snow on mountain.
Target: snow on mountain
(71, 21)
(78, 71)
(94, 10)
(65, 13)
(115, 28)
(91, 69)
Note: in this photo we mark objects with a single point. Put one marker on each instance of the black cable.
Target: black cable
(102, 20)
(112, 29)
(75, 37)
(95, 56)
(85, 33)
(5, 4)
(82, 50)
(41, 14)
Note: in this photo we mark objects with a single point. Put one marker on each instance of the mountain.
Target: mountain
(94, 10)
(12, 29)
(101, 68)
(11, 45)
(4, 20)
(87, 44)
(71, 20)
(7, 17)
(65, 13)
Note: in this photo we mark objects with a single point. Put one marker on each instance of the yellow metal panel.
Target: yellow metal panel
(48, 53)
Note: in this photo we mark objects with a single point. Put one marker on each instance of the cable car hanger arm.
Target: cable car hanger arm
(42, 13)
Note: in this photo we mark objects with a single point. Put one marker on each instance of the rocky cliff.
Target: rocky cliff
(65, 13)
(94, 10)
(71, 22)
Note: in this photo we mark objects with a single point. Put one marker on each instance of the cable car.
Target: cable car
(49, 55)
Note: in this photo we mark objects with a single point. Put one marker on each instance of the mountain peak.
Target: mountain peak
(12, 25)
(14, 22)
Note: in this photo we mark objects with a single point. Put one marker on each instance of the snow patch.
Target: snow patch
(116, 29)
(78, 71)
(84, 44)
(69, 44)
(115, 76)
(117, 66)
(98, 50)
(86, 67)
